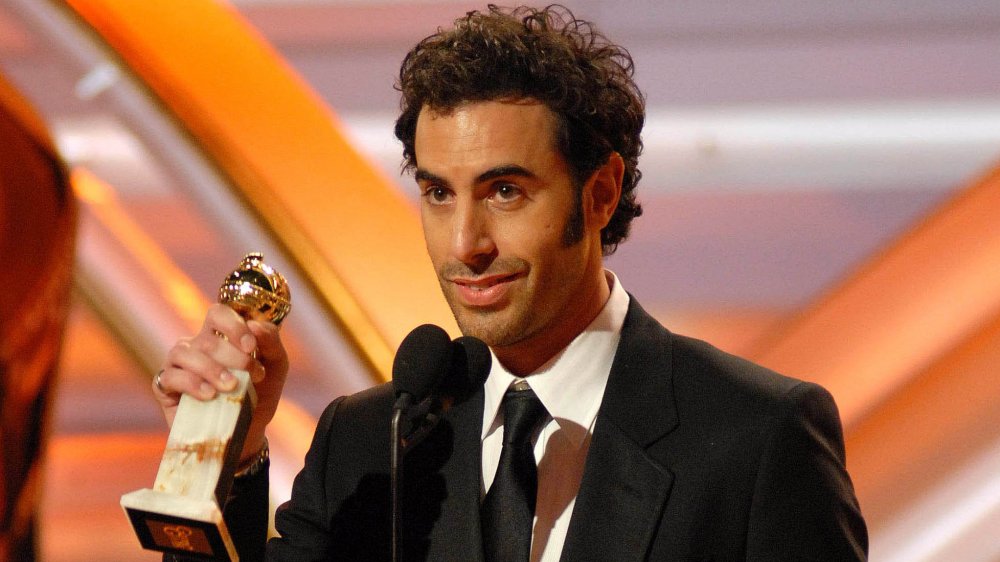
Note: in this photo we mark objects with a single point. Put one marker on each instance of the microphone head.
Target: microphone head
(471, 363)
(422, 361)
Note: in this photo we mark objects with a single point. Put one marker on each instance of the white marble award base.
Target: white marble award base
(181, 514)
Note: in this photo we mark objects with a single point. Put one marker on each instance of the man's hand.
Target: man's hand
(200, 365)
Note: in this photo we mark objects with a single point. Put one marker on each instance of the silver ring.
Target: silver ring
(158, 383)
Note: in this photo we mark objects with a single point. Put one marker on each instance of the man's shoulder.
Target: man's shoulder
(348, 428)
(380, 396)
(699, 362)
(360, 410)
(714, 381)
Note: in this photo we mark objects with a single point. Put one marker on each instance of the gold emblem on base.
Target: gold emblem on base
(180, 536)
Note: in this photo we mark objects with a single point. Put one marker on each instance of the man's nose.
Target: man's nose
(472, 239)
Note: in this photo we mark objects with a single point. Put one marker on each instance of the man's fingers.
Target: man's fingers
(266, 338)
(225, 322)
(257, 371)
(211, 367)
(222, 351)
(174, 382)
(158, 385)
(270, 351)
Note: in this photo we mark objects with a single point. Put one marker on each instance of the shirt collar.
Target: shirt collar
(571, 384)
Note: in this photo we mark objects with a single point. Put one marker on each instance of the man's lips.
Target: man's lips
(484, 291)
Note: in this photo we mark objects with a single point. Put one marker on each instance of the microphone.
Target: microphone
(421, 363)
(468, 371)
(470, 366)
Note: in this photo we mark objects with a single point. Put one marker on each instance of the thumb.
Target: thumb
(268, 339)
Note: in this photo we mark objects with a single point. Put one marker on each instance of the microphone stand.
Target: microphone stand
(413, 419)
(411, 423)
(395, 477)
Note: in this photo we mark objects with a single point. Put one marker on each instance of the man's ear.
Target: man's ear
(605, 190)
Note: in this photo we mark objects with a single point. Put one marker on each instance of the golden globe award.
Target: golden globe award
(182, 513)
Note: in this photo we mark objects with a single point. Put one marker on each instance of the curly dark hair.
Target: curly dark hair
(547, 55)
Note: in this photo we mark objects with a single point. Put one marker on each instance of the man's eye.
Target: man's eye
(507, 192)
(436, 194)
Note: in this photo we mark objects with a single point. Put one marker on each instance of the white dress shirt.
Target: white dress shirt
(570, 386)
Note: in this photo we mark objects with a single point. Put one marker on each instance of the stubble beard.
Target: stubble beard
(496, 327)
(488, 326)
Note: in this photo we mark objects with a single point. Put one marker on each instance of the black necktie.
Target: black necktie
(509, 507)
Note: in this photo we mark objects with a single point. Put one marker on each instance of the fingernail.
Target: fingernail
(248, 342)
(207, 390)
(228, 380)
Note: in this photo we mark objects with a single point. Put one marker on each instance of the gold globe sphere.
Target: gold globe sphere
(256, 291)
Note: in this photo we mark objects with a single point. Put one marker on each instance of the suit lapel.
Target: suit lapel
(623, 490)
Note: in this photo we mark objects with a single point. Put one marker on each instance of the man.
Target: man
(522, 129)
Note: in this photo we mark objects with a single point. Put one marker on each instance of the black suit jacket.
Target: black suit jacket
(697, 455)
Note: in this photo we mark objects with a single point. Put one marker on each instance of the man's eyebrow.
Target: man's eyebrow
(504, 170)
(422, 175)
(425, 176)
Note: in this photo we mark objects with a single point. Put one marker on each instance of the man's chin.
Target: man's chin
(488, 326)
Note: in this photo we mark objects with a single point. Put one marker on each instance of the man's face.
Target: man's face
(496, 196)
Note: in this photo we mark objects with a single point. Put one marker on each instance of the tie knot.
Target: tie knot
(522, 411)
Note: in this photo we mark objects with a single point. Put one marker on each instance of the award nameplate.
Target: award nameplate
(182, 513)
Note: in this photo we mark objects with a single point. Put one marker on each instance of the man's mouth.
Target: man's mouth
(484, 282)
(484, 291)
